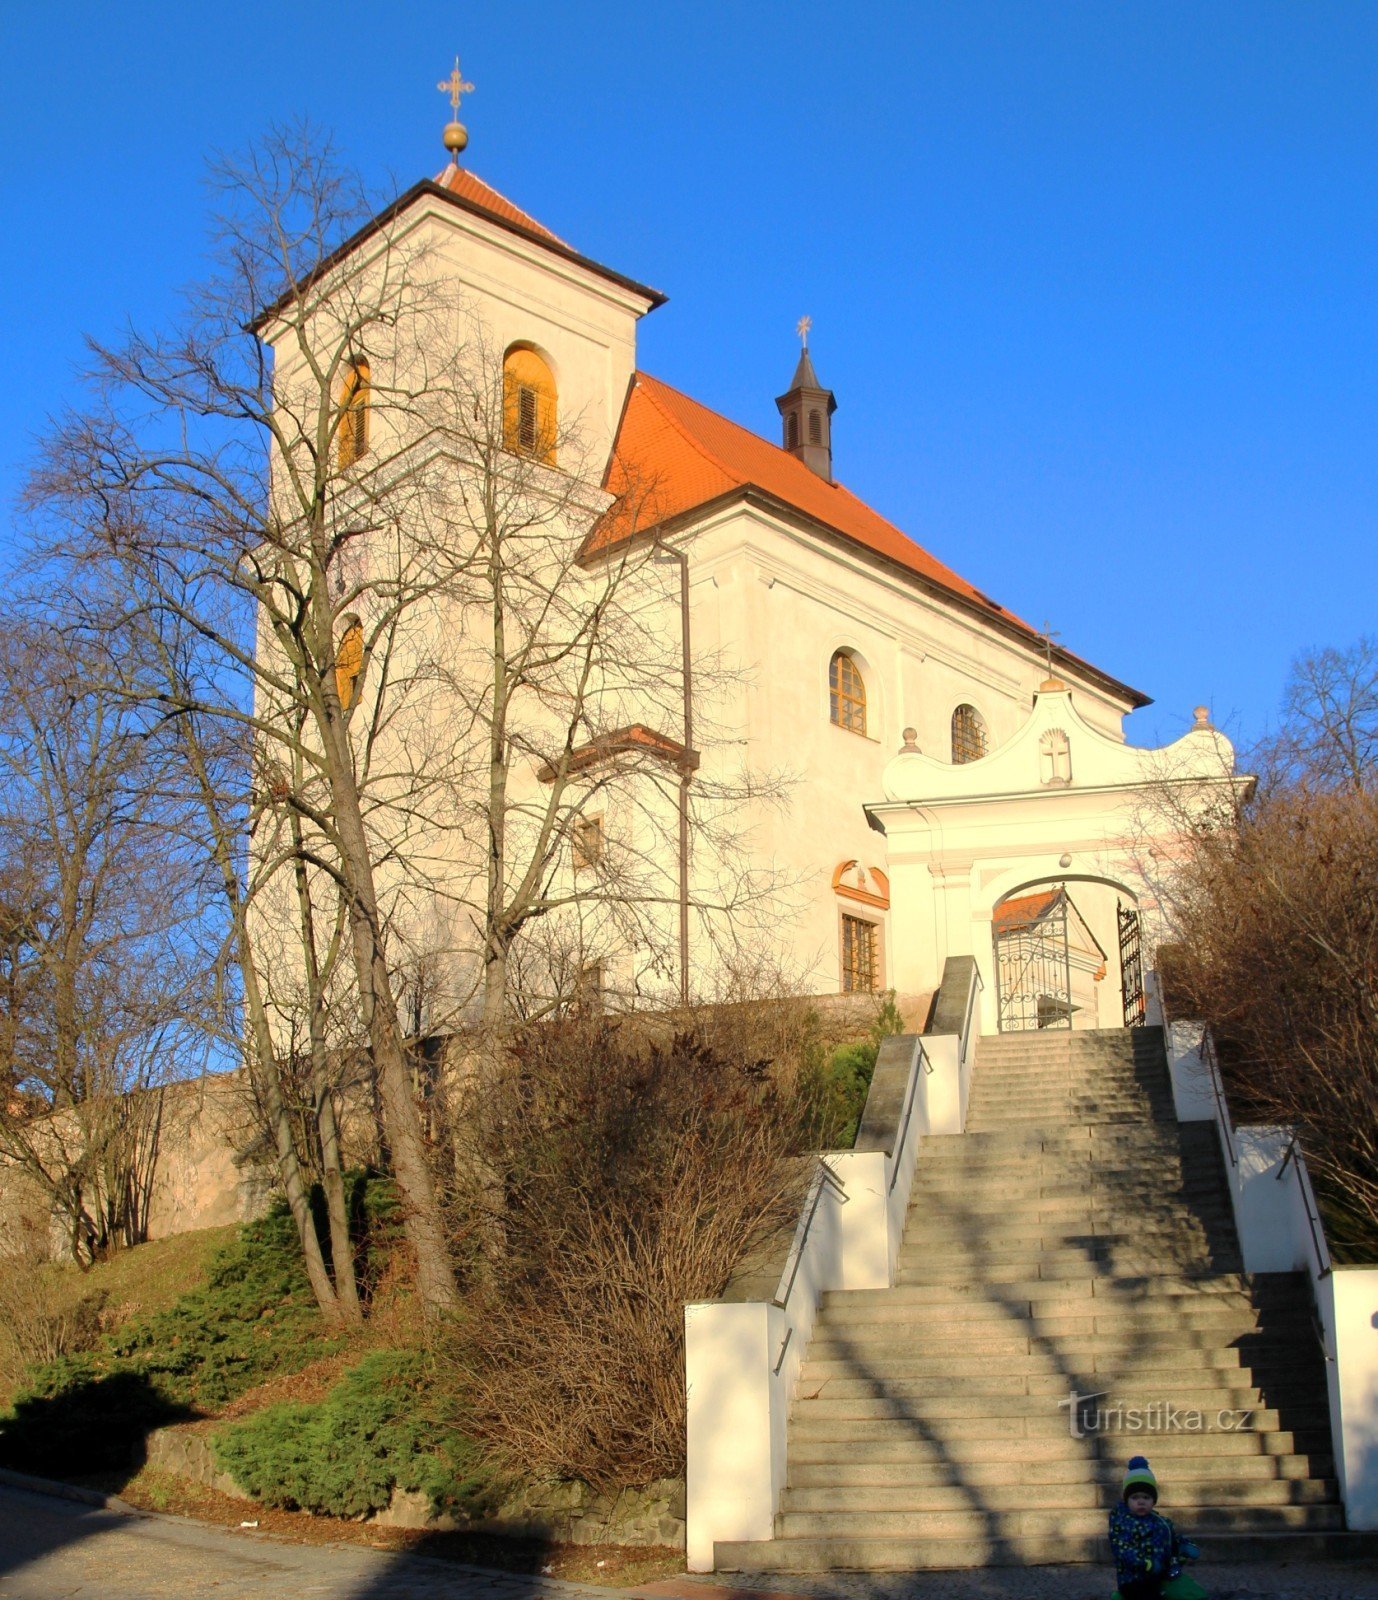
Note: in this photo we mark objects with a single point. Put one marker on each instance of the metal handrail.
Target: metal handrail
(1212, 1060)
(925, 1065)
(826, 1178)
(973, 988)
(1313, 1221)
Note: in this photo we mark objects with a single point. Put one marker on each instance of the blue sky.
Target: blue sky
(1094, 282)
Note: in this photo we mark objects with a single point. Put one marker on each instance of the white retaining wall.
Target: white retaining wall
(742, 1360)
(1280, 1231)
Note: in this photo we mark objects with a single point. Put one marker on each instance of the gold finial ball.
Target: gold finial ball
(456, 136)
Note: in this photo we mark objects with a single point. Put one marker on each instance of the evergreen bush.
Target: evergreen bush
(381, 1427)
(253, 1317)
(836, 1084)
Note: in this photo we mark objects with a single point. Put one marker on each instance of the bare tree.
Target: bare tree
(375, 613)
(1275, 923)
(98, 978)
(1329, 732)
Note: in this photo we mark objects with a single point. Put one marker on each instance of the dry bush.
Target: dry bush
(45, 1313)
(1278, 951)
(617, 1181)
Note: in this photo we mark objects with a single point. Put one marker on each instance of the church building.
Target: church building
(956, 782)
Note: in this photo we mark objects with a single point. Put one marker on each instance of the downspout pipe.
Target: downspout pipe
(686, 764)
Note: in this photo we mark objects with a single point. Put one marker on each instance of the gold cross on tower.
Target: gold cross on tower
(802, 329)
(456, 135)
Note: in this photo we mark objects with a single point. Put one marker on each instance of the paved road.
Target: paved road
(52, 1549)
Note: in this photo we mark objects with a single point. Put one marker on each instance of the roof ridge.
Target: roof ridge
(520, 214)
(826, 483)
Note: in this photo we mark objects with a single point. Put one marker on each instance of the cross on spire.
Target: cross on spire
(1048, 634)
(802, 329)
(456, 136)
(455, 86)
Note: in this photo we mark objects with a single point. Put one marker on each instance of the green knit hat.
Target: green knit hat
(1139, 1475)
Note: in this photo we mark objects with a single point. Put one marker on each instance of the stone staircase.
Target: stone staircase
(1076, 1241)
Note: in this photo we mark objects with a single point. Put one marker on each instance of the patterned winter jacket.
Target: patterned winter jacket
(1143, 1546)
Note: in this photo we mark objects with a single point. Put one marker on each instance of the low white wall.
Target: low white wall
(1280, 1231)
(1349, 1310)
(742, 1360)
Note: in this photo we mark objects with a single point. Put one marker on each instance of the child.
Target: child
(1148, 1553)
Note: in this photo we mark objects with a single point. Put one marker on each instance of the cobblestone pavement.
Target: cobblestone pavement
(54, 1549)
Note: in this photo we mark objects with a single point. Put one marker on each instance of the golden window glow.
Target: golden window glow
(846, 693)
(528, 405)
(349, 661)
(352, 438)
(969, 741)
(860, 956)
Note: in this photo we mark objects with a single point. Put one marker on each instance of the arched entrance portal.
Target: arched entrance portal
(1058, 949)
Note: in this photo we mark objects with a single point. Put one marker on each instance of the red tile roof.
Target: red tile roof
(673, 455)
(637, 738)
(1024, 911)
(469, 186)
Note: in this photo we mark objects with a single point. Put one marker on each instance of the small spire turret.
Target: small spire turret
(806, 409)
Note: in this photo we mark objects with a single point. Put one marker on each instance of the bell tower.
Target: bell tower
(806, 410)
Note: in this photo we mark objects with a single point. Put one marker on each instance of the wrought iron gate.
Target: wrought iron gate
(1131, 965)
(1033, 971)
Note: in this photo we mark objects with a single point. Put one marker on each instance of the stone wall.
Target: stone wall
(212, 1167)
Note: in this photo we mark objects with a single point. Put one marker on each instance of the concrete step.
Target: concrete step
(1272, 1364)
(1124, 1289)
(862, 1420)
(894, 1403)
(1131, 1091)
(1055, 1317)
(1036, 1236)
(1006, 1498)
(1191, 1453)
(1086, 1524)
(1086, 1281)
(1190, 1478)
(878, 1349)
(1102, 1260)
(1239, 1384)
(1148, 1136)
(1063, 1334)
(1042, 1120)
(995, 1549)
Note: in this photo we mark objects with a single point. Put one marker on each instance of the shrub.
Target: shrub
(45, 1313)
(611, 1182)
(1277, 925)
(254, 1316)
(379, 1428)
(836, 1084)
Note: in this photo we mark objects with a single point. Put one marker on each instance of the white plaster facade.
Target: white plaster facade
(774, 593)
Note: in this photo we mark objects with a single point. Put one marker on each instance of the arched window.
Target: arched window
(792, 431)
(815, 428)
(969, 742)
(528, 405)
(352, 435)
(1054, 759)
(349, 660)
(846, 693)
